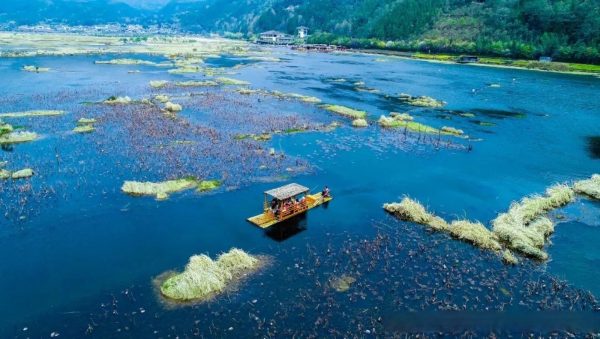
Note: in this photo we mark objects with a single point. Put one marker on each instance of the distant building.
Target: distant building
(467, 59)
(545, 59)
(275, 38)
(302, 32)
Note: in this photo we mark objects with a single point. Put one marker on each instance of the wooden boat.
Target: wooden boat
(287, 202)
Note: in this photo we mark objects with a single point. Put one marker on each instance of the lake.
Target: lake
(79, 256)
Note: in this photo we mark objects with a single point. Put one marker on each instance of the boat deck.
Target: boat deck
(268, 219)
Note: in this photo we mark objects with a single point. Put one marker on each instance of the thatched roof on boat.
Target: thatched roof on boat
(287, 191)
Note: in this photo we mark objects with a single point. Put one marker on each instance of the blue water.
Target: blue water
(86, 244)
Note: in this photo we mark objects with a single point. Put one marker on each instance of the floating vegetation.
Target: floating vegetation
(525, 228)
(113, 100)
(401, 116)
(345, 111)
(421, 101)
(4, 174)
(173, 108)
(231, 82)
(126, 61)
(342, 284)
(35, 69)
(86, 121)
(360, 123)
(256, 137)
(208, 185)
(185, 70)
(303, 98)
(17, 137)
(84, 128)
(158, 83)
(388, 122)
(204, 278)
(589, 187)
(193, 83)
(31, 114)
(452, 130)
(160, 190)
(162, 98)
(509, 258)
(22, 174)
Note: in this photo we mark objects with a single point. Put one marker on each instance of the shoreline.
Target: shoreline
(411, 56)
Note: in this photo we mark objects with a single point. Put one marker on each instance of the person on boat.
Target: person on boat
(326, 193)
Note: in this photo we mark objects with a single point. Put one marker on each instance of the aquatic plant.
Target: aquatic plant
(509, 258)
(193, 83)
(4, 174)
(162, 98)
(86, 121)
(589, 187)
(208, 185)
(411, 210)
(173, 108)
(118, 100)
(452, 130)
(158, 83)
(342, 283)
(401, 116)
(22, 174)
(185, 69)
(30, 114)
(204, 278)
(345, 111)
(17, 137)
(421, 101)
(524, 228)
(127, 61)
(85, 128)
(35, 69)
(475, 233)
(360, 123)
(388, 122)
(160, 190)
(5, 128)
(232, 82)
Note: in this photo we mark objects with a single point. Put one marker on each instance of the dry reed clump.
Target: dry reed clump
(452, 130)
(411, 210)
(126, 61)
(158, 83)
(185, 69)
(118, 100)
(35, 69)
(194, 83)
(589, 187)
(342, 283)
(17, 137)
(509, 258)
(160, 190)
(475, 233)
(525, 228)
(86, 128)
(360, 123)
(421, 101)
(204, 278)
(345, 111)
(22, 174)
(231, 82)
(31, 114)
(173, 108)
(162, 98)
(400, 122)
(86, 121)
(401, 116)
(4, 174)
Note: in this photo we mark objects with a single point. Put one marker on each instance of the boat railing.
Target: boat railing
(293, 209)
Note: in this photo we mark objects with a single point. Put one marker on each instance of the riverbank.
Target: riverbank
(555, 67)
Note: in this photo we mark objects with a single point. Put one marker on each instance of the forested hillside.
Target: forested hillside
(565, 29)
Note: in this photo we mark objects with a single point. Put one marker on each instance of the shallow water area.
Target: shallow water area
(80, 255)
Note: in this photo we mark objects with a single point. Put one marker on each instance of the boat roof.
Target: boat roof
(287, 191)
